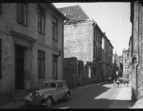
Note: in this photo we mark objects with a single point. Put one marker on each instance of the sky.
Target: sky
(113, 18)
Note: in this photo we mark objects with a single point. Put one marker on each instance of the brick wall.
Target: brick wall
(78, 41)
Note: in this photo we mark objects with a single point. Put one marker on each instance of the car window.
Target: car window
(43, 85)
(53, 85)
(48, 85)
(60, 85)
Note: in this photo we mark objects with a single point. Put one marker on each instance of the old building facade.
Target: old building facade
(107, 55)
(136, 50)
(83, 40)
(31, 45)
(117, 66)
(126, 62)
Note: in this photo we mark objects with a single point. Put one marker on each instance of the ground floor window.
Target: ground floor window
(41, 64)
(94, 71)
(54, 62)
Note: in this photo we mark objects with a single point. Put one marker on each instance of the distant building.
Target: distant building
(125, 63)
(117, 66)
(107, 55)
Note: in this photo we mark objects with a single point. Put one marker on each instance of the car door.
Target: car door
(60, 90)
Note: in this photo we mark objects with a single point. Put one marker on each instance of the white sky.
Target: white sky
(113, 18)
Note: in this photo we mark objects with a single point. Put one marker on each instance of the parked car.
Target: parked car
(49, 92)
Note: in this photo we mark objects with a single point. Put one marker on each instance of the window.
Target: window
(98, 53)
(0, 61)
(41, 20)
(94, 50)
(94, 71)
(96, 35)
(89, 72)
(41, 64)
(54, 28)
(60, 85)
(22, 13)
(79, 69)
(55, 76)
(125, 60)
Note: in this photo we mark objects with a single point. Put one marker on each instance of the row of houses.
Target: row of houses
(87, 50)
(122, 65)
(39, 42)
(31, 45)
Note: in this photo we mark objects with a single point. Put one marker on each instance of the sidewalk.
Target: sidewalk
(123, 99)
(19, 104)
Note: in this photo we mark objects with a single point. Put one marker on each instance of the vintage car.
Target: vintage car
(49, 92)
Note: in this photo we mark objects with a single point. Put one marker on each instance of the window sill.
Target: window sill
(41, 33)
(55, 40)
(22, 24)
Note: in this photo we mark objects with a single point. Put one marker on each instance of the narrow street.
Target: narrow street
(97, 96)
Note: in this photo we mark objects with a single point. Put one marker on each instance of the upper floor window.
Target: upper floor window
(96, 35)
(54, 28)
(22, 13)
(41, 20)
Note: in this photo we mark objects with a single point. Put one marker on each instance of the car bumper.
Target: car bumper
(33, 103)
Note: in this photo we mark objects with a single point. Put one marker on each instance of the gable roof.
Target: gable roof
(74, 13)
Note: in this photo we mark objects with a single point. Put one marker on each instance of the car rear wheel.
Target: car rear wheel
(67, 96)
(49, 102)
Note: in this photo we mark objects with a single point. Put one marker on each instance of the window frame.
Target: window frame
(55, 37)
(41, 14)
(79, 69)
(39, 64)
(62, 85)
(20, 20)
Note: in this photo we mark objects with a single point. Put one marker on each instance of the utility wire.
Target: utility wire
(122, 43)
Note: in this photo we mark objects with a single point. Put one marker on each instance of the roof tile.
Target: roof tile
(74, 13)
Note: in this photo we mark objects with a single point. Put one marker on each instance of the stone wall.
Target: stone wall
(87, 75)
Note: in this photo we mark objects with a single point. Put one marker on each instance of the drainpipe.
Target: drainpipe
(59, 54)
(57, 57)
